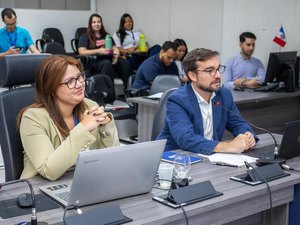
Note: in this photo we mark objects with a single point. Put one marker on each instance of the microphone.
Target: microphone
(262, 161)
(33, 208)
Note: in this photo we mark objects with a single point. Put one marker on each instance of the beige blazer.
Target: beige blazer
(47, 153)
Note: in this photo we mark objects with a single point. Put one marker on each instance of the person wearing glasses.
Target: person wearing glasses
(198, 113)
(61, 122)
(244, 70)
(14, 39)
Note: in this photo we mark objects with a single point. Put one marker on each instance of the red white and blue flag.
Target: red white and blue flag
(280, 39)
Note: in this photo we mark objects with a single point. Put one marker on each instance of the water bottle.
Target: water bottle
(108, 43)
(142, 46)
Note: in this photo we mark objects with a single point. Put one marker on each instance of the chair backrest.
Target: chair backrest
(101, 89)
(53, 35)
(164, 82)
(74, 42)
(49, 35)
(15, 70)
(54, 48)
(159, 117)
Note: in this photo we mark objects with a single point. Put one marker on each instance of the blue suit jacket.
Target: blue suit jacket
(183, 127)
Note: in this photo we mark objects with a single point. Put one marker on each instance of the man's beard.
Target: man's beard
(207, 89)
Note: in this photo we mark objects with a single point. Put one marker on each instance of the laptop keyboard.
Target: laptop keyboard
(63, 195)
(266, 88)
(263, 152)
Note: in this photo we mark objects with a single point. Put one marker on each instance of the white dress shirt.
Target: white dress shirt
(206, 113)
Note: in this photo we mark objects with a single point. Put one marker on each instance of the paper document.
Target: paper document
(155, 96)
(116, 105)
(230, 159)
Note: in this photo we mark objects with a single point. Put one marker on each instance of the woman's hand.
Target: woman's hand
(103, 51)
(94, 117)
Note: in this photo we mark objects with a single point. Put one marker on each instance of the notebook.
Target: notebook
(169, 156)
(290, 144)
(110, 173)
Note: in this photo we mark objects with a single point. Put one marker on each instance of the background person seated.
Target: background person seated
(128, 42)
(161, 63)
(182, 50)
(243, 70)
(93, 43)
(14, 39)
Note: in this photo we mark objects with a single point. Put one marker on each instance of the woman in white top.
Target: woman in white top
(181, 52)
(128, 42)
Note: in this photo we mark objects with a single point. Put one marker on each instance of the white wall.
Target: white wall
(262, 17)
(214, 24)
(198, 22)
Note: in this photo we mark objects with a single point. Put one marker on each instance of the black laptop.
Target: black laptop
(290, 144)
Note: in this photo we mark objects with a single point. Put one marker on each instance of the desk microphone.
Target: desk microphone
(33, 208)
(259, 161)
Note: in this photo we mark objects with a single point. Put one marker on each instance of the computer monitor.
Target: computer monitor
(281, 68)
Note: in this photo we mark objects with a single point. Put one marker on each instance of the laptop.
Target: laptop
(110, 173)
(290, 144)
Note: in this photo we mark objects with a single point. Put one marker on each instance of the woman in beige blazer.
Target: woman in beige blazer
(61, 122)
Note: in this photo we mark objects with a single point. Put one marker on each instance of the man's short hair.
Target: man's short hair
(168, 45)
(9, 12)
(198, 54)
(245, 35)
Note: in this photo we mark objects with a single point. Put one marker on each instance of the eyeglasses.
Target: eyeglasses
(213, 71)
(71, 83)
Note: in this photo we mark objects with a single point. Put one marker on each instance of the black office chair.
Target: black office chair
(100, 88)
(15, 70)
(49, 35)
(159, 117)
(74, 42)
(54, 48)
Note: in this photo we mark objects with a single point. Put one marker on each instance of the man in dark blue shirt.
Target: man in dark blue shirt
(161, 63)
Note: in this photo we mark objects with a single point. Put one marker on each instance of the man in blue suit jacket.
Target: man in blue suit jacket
(198, 113)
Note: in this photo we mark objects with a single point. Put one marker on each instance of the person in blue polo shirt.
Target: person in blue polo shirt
(14, 39)
(244, 70)
(161, 63)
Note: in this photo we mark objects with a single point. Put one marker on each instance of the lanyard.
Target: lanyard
(12, 37)
(75, 120)
(133, 38)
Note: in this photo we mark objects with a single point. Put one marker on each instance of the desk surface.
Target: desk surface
(238, 96)
(239, 200)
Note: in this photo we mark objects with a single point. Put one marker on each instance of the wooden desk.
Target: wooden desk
(270, 110)
(240, 204)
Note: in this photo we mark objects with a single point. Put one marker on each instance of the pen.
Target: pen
(224, 164)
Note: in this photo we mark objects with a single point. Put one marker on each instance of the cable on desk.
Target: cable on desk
(248, 165)
(78, 210)
(286, 167)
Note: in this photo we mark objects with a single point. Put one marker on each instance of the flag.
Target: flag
(280, 39)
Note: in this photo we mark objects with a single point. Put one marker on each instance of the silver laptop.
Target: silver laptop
(110, 173)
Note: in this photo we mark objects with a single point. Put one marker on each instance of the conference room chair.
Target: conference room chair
(163, 82)
(160, 113)
(17, 77)
(54, 48)
(50, 35)
(100, 88)
(74, 42)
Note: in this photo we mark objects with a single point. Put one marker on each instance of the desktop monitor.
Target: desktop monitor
(281, 68)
